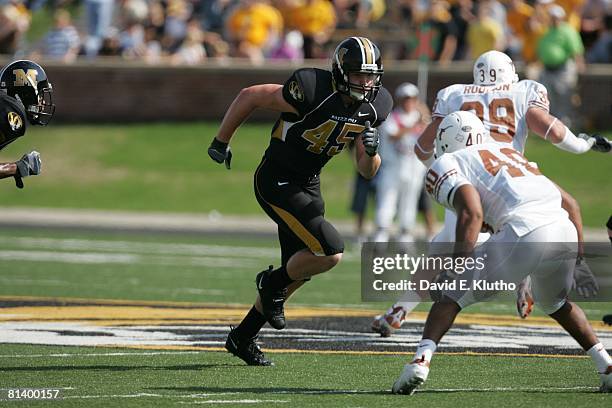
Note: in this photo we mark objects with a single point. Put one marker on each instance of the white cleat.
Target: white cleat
(606, 380)
(388, 323)
(412, 377)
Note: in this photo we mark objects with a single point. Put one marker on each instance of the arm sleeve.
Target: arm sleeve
(383, 105)
(12, 121)
(443, 180)
(537, 96)
(299, 92)
(440, 107)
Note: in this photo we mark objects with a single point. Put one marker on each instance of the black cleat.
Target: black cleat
(246, 350)
(272, 301)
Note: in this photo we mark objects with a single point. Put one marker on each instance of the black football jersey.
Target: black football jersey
(12, 119)
(323, 126)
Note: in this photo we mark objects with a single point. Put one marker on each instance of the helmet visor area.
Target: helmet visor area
(364, 85)
(42, 112)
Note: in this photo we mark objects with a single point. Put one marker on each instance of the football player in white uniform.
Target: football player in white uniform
(509, 108)
(494, 183)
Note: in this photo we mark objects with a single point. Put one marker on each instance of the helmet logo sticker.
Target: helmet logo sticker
(296, 91)
(14, 121)
(23, 78)
(341, 53)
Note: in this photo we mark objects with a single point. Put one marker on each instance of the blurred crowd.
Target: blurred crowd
(187, 32)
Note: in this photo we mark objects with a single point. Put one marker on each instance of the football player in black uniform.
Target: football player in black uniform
(321, 112)
(25, 93)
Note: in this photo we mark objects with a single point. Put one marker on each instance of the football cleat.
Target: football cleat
(272, 301)
(413, 375)
(386, 324)
(246, 350)
(606, 380)
(524, 298)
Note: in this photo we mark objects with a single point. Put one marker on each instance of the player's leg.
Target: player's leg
(503, 262)
(425, 207)
(386, 323)
(551, 287)
(386, 205)
(297, 208)
(407, 207)
(571, 317)
(439, 320)
(241, 340)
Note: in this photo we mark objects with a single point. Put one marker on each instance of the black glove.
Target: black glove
(220, 152)
(29, 165)
(370, 140)
(601, 144)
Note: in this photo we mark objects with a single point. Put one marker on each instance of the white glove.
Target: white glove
(584, 281)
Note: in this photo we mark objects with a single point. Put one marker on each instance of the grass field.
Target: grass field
(164, 167)
(46, 264)
(134, 379)
(135, 319)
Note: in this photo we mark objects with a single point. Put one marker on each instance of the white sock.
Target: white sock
(600, 357)
(425, 350)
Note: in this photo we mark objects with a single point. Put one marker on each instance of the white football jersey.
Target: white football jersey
(501, 108)
(512, 189)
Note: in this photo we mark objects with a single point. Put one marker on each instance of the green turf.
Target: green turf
(304, 380)
(164, 167)
(156, 267)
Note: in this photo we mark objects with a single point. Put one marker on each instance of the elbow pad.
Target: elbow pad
(573, 144)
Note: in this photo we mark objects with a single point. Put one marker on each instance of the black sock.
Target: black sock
(279, 278)
(250, 325)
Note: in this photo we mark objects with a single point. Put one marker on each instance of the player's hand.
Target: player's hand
(524, 298)
(598, 142)
(220, 152)
(370, 140)
(29, 165)
(584, 281)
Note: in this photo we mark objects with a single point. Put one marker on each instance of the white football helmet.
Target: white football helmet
(494, 68)
(459, 130)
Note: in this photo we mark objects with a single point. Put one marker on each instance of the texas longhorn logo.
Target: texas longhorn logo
(23, 78)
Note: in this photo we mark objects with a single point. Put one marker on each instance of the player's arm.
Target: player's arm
(424, 147)
(266, 96)
(469, 218)
(29, 165)
(366, 152)
(550, 128)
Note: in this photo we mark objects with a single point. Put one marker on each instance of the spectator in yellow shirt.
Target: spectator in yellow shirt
(484, 34)
(316, 20)
(253, 27)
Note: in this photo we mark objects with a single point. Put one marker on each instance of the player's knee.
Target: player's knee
(334, 259)
(554, 309)
(333, 244)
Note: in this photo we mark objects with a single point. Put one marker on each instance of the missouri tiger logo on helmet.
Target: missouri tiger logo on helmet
(357, 55)
(27, 81)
